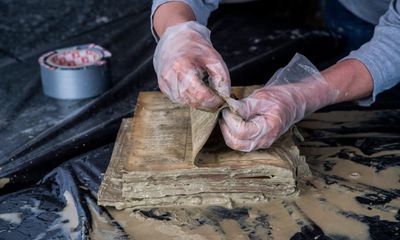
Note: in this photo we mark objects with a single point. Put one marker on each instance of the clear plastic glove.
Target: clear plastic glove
(183, 57)
(257, 121)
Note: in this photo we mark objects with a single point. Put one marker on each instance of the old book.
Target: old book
(170, 154)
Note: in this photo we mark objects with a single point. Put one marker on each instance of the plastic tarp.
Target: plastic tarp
(53, 152)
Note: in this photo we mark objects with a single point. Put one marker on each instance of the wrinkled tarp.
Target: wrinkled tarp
(53, 153)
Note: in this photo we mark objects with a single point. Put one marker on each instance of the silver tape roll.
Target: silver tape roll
(76, 72)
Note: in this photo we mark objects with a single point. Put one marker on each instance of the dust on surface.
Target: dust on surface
(353, 192)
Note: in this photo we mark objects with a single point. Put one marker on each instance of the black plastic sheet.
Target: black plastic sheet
(53, 153)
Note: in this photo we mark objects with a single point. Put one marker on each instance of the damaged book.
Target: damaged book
(169, 154)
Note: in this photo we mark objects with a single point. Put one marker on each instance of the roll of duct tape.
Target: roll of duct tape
(75, 73)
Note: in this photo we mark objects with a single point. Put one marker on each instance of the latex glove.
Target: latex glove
(258, 120)
(182, 58)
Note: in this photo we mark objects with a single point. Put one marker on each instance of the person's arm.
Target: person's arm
(381, 55)
(166, 13)
(351, 78)
(293, 92)
(169, 14)
(374, 67)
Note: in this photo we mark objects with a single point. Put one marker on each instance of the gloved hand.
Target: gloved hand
(182, 58)
(257, 121)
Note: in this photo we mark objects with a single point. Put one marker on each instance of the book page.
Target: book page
(161, 136)
(203, 123)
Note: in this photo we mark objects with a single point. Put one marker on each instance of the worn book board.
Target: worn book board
(169, 154)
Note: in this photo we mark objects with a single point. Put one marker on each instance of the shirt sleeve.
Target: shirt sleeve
(381, 55)
(201, 9)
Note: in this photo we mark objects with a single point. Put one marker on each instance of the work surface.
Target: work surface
(53, 153)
